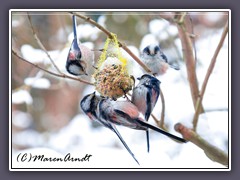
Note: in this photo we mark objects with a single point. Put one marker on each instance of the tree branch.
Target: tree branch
(49, 72)
(209, 71)
(163, 109)
(212, 152)
(184, 29)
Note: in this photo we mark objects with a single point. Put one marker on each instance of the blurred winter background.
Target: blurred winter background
(47, 119)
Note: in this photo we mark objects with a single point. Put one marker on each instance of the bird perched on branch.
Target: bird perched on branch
(145, 96)
(155, 59)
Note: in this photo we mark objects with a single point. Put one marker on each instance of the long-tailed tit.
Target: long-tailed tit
(75, 65)
(145, 96)
(126, 114)
(89, 105)
(155, 59)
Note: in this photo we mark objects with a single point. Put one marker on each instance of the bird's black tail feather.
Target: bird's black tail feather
(148, 144)
(160, 130)
(114, 129)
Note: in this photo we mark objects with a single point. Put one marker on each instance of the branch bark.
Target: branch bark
(212, 152)
(163, 110)
(184, 28)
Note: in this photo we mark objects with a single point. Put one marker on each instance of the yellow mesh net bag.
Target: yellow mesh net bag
(112, 78)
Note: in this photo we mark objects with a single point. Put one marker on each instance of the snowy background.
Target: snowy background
(47, 119)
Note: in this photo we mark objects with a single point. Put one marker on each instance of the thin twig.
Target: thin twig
(109, 34)
(209, 71)
(193, 40)
(163, 109)
(88, 19)
(212, 152)
(159, 124)
(22, 87)
(62, 75)
(182, 17)
(216, 109)
(41, 45)
(155, 119)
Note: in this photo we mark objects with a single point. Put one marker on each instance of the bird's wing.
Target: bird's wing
(139, 99)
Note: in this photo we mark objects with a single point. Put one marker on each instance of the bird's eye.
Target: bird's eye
(148, 52)
(78, 56)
